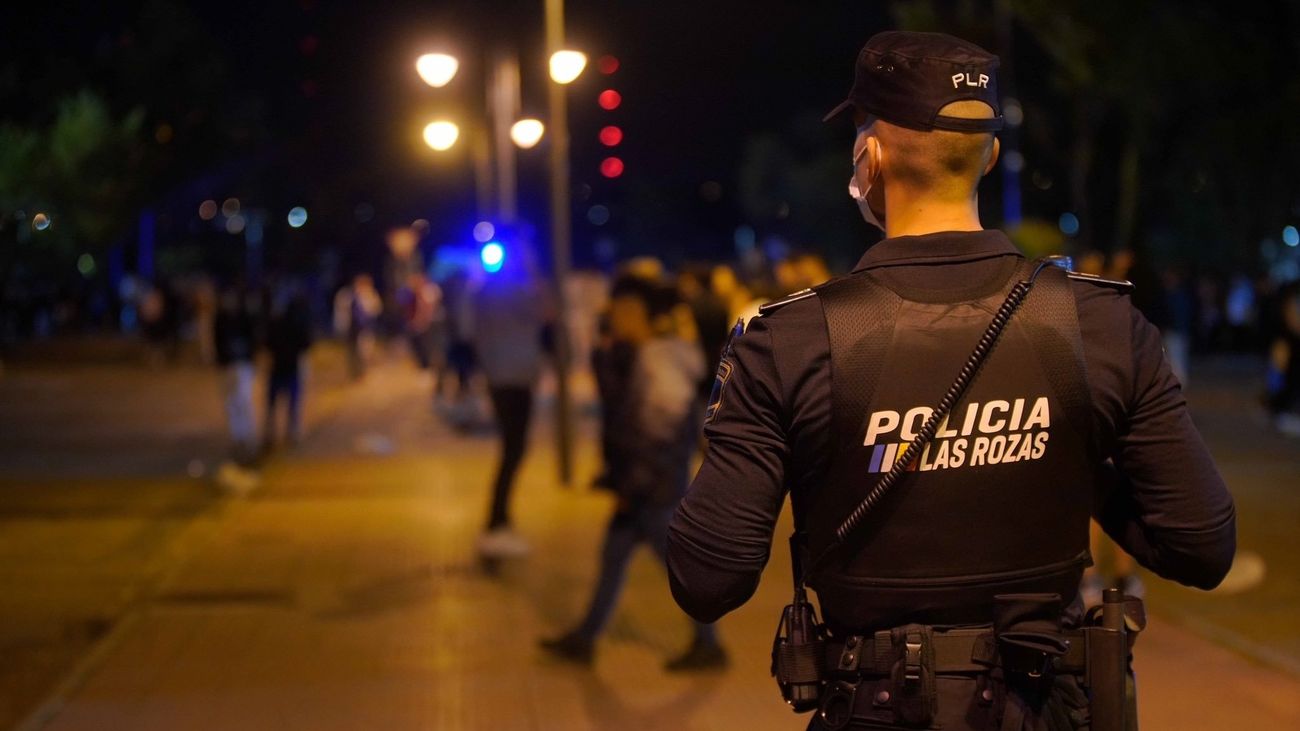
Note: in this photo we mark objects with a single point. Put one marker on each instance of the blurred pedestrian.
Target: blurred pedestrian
(811, 269)
(509, 315)
(458, 300)
(786, 276)
(205, 313)
(288, 339)
(738, 298)
(235, 337)
(711, 319)
(1180, 304)
(1239, 313)
(420, 301)
(611, 365)
(159, 320)
(1284, 365)
(357, 307)
(654, 440)
(611, 362)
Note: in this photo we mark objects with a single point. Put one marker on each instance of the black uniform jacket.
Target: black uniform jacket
(1166, 503)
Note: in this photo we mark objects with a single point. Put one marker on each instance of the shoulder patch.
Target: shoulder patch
(725, 367)
(775, 305)
(1122, 285)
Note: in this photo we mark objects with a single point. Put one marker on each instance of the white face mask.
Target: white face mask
(860, 196)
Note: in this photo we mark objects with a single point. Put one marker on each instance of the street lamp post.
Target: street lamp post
(565, 67)
(496, 141)
(438, 69)
(503, 100)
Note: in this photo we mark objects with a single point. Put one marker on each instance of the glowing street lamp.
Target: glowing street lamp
(527, 132)
(567, 66)
(441, 135)
(437, 69)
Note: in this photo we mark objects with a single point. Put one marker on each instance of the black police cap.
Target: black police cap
(905, 78)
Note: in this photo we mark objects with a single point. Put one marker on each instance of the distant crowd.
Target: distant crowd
(1200, 312)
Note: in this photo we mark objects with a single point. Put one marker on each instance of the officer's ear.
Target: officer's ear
(868, 156)
(875, 158)
(993, 157)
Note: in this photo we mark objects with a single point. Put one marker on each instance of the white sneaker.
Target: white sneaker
(503, 543)
(236, 480)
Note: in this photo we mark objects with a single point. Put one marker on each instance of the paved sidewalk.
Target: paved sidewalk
(344, 594)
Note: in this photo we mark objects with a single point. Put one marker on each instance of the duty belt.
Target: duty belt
(971, 650)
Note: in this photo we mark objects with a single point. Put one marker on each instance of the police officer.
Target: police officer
(982, 539)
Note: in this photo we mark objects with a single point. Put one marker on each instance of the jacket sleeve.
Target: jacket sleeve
(1167, 504)
(720, 536)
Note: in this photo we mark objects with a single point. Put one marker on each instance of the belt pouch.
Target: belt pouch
(1029, 637)
(916, 699)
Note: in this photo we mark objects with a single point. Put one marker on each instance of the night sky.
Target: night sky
(317, 103)
(334, 92)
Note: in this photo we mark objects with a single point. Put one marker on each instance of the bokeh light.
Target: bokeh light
(566, 66)
(441, 134)
(1013, 112)
(611, 135)
(493, 257)
(609, 100)
(484, 231)
(1068, 223)
(526, 133)
(745, 238)
(41, 221)
(607, 64)
(611, 167)
(297, 216)
(1290, 236)
(230, 207)
(208, 210)
(235, 224)
(86, 265)
(598, 215)
(436, 69)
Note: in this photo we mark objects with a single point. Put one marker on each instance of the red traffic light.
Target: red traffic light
(607, 65)
(609, 100)
(611, 136)
(611, 167)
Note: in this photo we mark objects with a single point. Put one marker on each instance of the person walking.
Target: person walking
(508, 316)
(653, 437)
(235, 338)
(357, 307)
(946, 418)
(288, 339)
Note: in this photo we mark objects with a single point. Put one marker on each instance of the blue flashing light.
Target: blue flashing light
(493, 256)
(1290, 236)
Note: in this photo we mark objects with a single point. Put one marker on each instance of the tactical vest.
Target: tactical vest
(998, 502)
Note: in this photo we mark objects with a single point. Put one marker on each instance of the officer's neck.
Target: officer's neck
(911, 214)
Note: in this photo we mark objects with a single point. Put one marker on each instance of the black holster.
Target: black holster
(1027, 628)
(915, 697)
(798, 655)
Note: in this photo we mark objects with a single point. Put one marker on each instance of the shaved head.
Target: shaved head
(940, 163)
